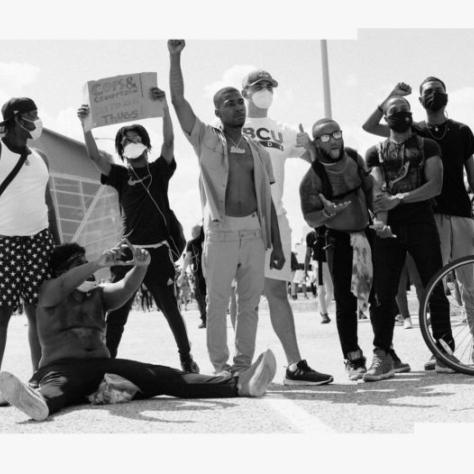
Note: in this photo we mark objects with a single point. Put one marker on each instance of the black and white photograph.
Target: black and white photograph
(234, 243)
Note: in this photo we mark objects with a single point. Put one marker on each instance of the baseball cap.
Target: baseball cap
(17, 105)
(257, 76)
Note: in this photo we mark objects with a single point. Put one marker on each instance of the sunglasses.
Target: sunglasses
(337, 135)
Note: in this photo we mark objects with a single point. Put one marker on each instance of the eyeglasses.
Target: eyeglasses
(337, 135)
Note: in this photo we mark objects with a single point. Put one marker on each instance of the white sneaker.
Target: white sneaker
(254, 381)
(407, 324)
(23, 397)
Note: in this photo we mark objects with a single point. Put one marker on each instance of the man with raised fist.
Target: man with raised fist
(452, 207)
(240, 222)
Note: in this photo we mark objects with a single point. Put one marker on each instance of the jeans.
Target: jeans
(421, 241)
(69, 381)
(160, 272)
(233, 248)
(339, 257)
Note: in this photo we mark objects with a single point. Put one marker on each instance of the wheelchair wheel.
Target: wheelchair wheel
(462, 323)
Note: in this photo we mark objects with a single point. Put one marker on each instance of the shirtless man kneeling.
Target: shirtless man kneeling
(71, 327)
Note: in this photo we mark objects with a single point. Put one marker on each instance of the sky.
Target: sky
(50, 49)
(362, 72)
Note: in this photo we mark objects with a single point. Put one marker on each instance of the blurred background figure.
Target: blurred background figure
(193, 260)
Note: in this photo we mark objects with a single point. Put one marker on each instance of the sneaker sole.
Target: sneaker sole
(402, 370)
(444, 370)
(23, 397)
(263, 375)
(290, 382)
(376, 378)
(355, 378)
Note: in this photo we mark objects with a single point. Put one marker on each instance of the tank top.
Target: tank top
(23, 209)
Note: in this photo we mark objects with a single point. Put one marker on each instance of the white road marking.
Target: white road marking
(300, 419)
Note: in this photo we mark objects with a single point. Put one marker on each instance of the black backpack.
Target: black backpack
(327, 190)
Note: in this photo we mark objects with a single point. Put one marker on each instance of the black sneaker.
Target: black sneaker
(188, 365)
(305, 375)
(355, 368)
(325, 318)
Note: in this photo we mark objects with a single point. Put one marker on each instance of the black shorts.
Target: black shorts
(161, 268)
(24, 265)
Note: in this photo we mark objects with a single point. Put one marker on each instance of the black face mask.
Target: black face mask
(434, 100)
(400, 121)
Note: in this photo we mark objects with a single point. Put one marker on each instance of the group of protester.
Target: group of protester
(407, 196)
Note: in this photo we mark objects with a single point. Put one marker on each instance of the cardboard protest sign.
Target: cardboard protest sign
(121, 99)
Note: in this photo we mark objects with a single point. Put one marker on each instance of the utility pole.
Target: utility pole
(326, 85)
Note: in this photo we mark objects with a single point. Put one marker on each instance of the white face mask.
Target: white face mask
(132, 151)
(87, 286)
(37, 131)
(263, 99)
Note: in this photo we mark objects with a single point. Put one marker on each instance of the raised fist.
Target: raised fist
(401, 89)
(175, 46)
(83, 112)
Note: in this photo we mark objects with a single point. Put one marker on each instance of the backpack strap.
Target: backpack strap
(318, 168)
(11, 176)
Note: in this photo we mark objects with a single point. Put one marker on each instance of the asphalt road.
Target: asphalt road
(394, 406)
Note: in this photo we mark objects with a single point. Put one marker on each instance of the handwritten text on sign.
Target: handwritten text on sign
(121, 99)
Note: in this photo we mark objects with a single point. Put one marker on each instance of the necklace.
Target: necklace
(435, 129)
(235, 148)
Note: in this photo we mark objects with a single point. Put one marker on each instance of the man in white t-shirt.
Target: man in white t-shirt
(281, 143)
(27, 219)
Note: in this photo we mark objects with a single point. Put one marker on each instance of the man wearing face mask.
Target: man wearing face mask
(336, 193)
(28, 226)
(453, 213)
(407, 171)
(281, 142)
(142, 188)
